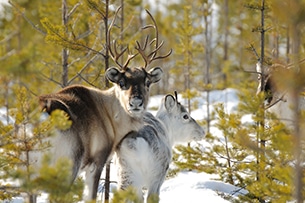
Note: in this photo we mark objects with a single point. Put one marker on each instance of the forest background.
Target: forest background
(46, 45)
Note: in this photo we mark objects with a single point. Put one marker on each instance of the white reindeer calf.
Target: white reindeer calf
(143, 157)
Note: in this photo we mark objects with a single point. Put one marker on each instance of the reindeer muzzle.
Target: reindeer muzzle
(136, 105)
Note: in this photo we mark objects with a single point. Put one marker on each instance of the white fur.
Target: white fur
(144, 156)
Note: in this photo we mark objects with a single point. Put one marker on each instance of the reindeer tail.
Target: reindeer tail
(49, 104)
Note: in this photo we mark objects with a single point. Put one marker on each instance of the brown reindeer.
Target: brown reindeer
(101, 118)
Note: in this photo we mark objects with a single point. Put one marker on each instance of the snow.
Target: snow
(191, 186)
(195, 187)
(186, 187)
(3, 118)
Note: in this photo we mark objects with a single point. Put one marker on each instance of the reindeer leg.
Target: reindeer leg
(154, 189)
(127, 179)
(93, 173)
(153, 195)
(76, 165)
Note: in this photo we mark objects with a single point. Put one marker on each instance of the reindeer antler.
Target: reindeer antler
(115, 55)
(152, 56)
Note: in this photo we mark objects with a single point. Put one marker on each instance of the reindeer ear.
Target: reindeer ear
(155, 74)
(113, 74)
(170, 102)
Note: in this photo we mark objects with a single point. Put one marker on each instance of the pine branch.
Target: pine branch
(56, 35)
(230, 159)
(36, 27)
(253, 6)
(238, 190)
(6, 188)
(94, 6)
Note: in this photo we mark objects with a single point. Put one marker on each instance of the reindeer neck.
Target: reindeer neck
(122, 122)
(166, 121)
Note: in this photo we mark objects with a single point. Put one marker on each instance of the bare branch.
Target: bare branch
(83, 68)
(73, 10)
(83, 35)
(50, 79)
(293, 64)
(8, 54)
(94, 6)
(91, 84)
(254, 51)
(8, 37)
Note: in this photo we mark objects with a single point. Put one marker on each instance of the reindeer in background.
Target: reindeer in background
(278, 100)
(101, 118)
(144, 156)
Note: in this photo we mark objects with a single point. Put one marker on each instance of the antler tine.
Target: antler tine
(152, 56)
(129, 58)
(115, 54)
(153, 53)
(156, 39)
(176, 96)
(163, 56)
(142, 49)
(155, 27)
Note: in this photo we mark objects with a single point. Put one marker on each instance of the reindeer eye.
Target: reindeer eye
(122, 84)
(148, 83)
(185, 117)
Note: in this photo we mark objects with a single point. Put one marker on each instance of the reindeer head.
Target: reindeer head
(133, 83)
(177, 117)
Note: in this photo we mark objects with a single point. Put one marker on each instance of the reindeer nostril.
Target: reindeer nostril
(140, 103)
(136, 102)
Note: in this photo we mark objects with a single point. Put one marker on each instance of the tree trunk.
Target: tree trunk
(208, 62)
(226, 35)
(65, 53)
(261, 124)
(106, 35)
(297, 131)
(107, 175)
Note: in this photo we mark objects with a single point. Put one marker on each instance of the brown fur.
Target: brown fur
(91, 112)
(100, 119)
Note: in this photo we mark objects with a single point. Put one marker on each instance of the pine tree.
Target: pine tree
(23, 137)
(269, 172)
(187, 48)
